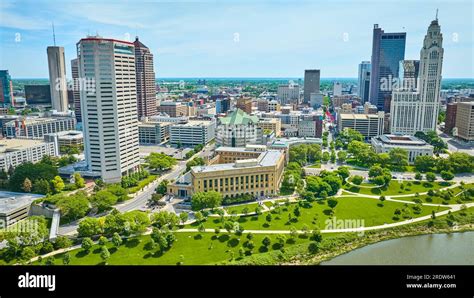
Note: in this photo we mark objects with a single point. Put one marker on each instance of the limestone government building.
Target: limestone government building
(235, 171)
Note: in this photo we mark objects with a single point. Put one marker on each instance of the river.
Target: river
(432, 249)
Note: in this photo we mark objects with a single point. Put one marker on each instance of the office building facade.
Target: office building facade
(109, 114)
(364, 81)
(6, 89)
(145, 74)
(413, 111)
(311, 83)
(76, 94)
(57, 78)
(388, 49)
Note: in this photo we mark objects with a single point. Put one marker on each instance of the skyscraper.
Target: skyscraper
(146, 91)
(76, 92)
(6, 89)
(311, 83)
(364, 81)
(57, 78)
(109, 111)
(408, 74)
(387, 51)
(414, 111)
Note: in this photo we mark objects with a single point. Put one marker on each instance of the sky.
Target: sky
(235, 38)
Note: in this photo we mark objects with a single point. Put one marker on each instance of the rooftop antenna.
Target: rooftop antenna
(54, 36)
(436, 14)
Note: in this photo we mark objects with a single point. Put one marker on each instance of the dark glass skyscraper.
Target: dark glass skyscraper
(388, 49)
(6, 89)
(145, 76)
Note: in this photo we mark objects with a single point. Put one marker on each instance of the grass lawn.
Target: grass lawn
(316, 215)
(438, 200)
(395, 188)
(206, 249)
(239, 209)
(315, 166)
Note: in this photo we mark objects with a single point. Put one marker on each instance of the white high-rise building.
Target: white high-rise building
(413, 111)
(110, 113)
(57, 78)
(288, 93)
(337, 89)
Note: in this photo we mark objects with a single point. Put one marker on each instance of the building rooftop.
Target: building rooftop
(9, 145)
(239, 117)
(11, 201)
(353, 116)
(400, 140)
(265, 159)
(69, 134)
(191, 123)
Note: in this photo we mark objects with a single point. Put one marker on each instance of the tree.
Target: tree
(62, 242)
(418, 176)
(104, 254)
(332, 203)
(166, 219)
(103, 200)
(357, 180)
(160, 161)
(116, 240)
(326, 157)
(210, 199)
(202, 229)
(78, 180)
(58, 184)
(27, 254)
(197, 161)
(49, 261)
(281, 240)
(27, 185)
(431, 177)
(162, 187)
(341, 156)
(447, 175)
(398, 157)
(41, 186)
(313, 247)
(266, 241)
(268, 217)
(73, 207)
(382, 199)
(66, 259)
(118, 191)
(183, 217)
(425, 163)
(102, 241)
(87, 244)
(343, 172)
(316, 235)
(31, 171)
(88, 227)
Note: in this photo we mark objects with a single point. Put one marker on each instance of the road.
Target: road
(141, 198)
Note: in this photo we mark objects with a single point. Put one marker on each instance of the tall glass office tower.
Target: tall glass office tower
(388, 49)
(364, 80)
(6, 89)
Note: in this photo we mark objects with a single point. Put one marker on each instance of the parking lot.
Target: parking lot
(145, 150)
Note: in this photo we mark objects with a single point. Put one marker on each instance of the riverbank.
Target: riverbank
(335, 246)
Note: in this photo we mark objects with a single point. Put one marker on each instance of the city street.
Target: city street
(139, 202)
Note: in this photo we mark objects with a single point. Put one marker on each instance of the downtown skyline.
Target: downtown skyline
(291, 36)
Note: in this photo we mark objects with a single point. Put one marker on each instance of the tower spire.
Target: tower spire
(436, 14)
(54, 35)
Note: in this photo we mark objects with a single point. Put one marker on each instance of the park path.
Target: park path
(452, 208)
